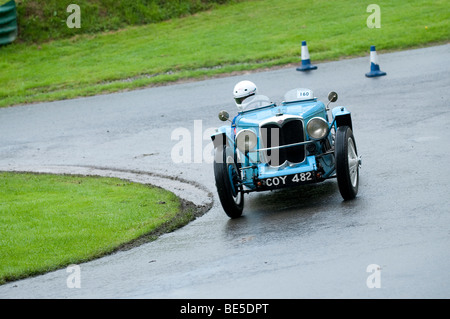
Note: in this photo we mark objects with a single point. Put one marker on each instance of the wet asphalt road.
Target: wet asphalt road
(294, 243)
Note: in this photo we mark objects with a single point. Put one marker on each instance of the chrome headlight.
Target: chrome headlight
(317, 128)
(246, 140)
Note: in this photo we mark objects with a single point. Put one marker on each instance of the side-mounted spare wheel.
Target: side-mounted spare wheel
(347, 162)
(227, 177)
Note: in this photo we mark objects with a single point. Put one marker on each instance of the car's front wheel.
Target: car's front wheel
(227, 177)
(347, 163)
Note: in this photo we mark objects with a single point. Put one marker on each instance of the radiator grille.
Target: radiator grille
(283, 132)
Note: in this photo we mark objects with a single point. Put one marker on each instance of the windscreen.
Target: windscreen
(255, 102)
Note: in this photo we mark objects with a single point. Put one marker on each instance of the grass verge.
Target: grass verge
(235, 37)
(50, 221)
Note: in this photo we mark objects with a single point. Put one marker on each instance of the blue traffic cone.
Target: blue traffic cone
(306, 62)
(374, 66)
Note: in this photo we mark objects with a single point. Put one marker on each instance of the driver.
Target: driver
(243, 90)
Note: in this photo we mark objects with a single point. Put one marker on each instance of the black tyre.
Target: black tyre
(227, 177)
(347, 163)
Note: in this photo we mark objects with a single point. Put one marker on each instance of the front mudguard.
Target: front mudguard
(223, 137)
(342, 117)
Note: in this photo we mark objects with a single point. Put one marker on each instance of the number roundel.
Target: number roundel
(304, 94)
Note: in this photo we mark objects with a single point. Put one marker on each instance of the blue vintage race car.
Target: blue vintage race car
(269, 146)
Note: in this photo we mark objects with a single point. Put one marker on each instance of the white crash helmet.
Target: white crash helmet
(243, 90)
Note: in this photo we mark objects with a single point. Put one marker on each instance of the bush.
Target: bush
(43, 20)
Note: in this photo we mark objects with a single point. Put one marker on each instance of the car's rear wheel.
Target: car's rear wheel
(347, 163)
(227, 177)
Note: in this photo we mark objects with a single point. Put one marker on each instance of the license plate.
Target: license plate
(288, 180)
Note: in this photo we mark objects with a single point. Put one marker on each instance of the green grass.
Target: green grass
(242, 36)
(50, 221)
